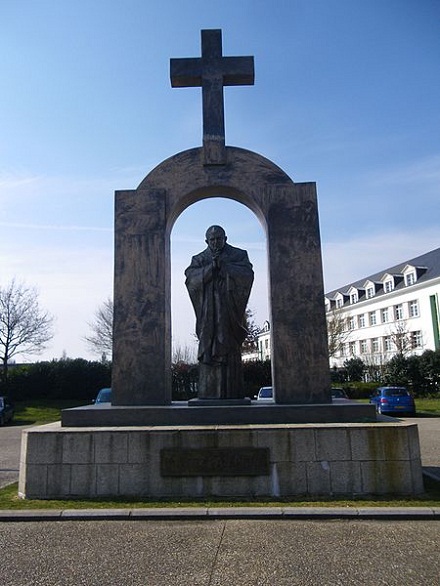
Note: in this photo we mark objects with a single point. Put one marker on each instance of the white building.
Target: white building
(262, 351)
(394, 310)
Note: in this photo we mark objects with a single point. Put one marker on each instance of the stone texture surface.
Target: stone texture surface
(143, 222)
(310, 459)
(179, 413)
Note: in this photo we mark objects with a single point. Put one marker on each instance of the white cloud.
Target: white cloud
(420, 171)
(349, 260)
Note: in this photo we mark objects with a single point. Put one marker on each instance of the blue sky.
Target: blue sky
(346, 94)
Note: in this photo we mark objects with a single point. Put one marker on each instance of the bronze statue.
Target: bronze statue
(219, 282)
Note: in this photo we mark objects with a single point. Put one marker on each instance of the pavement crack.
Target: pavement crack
(214, 562)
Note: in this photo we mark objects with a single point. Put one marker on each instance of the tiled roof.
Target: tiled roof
(429, 261)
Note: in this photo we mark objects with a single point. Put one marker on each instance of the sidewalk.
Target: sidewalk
(212, 513)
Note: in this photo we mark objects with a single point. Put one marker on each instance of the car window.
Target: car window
(395, 393)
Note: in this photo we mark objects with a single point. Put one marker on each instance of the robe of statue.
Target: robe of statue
(219, 291)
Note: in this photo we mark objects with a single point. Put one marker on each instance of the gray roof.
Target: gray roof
(430, 261)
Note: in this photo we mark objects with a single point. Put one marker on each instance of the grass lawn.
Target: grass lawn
(428, 407)
(9, 500)
(47, 411)
(38, 412)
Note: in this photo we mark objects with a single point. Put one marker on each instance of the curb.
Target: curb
(239, 513)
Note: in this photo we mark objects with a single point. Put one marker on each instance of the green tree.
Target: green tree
(430, 370)
(396, 370)
(355, 369)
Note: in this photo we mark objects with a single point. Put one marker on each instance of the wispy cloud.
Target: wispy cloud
(420, 171)
(349, 260)
(12, 180)
(58, 227)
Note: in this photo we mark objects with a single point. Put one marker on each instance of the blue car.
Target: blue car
(393, 400)
(104, 396)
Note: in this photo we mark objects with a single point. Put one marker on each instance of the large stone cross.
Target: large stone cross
(211, 72)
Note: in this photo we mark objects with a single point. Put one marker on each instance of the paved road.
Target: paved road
(217, 553)
(429, 435)
(10, 440)
(10, 443)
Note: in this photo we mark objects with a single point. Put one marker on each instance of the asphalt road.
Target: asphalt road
(10, 444)
(217, 553)
(429, 436)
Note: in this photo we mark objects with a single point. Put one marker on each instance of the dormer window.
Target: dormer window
(370, 289)
(410, 279)
(353, 295)
(388, 286)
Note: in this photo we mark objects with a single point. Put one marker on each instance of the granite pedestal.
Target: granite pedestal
(205, 461)
(230, 413)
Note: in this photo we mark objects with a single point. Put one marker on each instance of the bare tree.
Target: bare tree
(338, 331)
(251, 340)
(100, 340)
(401, 338)
(184, 354)
(24, 327)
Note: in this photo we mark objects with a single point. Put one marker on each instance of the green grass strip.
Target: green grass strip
(9, 499)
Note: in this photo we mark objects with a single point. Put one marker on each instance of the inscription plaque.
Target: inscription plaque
(214, 462)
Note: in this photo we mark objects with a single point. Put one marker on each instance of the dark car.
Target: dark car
(339, 394)
(6, 410)
(104, 396)
(393, 400)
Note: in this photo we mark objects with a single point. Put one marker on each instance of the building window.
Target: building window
(353, 298)
(370, 292)
(413, 309)
(364, 347)
(416, 339)
(410, 279)
(352, 348)
(375, 347)
(398, 312)
(388, 286)
(339, 303)
(388, 343)
(351, 323)
(372, 318)
(384, 315)
(361, 321)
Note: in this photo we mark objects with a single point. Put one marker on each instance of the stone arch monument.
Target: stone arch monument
(123, 448)
(143, 221)
(142, 320)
